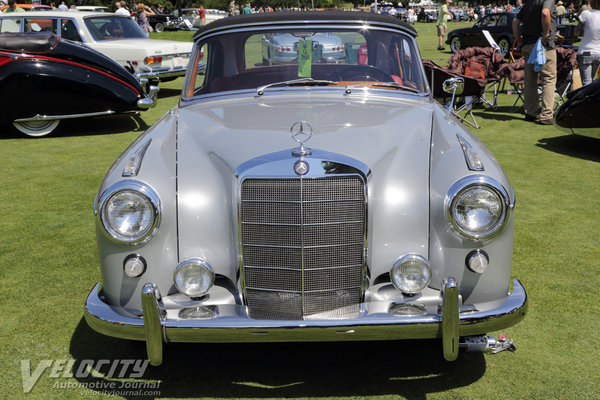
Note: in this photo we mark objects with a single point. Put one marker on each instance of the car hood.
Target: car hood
(130, 47)
(391, 137)
(461, 31)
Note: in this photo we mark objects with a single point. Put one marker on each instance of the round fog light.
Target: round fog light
(134, 266)
(194, 277)
(478, 261)
(411, 273)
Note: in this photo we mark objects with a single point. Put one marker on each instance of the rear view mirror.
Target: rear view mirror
(454, 86)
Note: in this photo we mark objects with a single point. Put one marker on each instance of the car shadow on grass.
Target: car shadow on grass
(85, 127)
(582, 147)
(412, 369)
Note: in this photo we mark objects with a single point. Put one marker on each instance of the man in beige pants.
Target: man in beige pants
(538, 19)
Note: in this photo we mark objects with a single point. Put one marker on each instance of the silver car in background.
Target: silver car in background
(321, 199)
(283, 48)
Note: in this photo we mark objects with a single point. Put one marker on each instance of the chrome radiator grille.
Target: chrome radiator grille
(302, 246)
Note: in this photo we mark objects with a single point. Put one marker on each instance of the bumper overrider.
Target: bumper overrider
(377, 320)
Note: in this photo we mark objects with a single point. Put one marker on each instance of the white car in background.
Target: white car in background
(115, 36)
(191, 16)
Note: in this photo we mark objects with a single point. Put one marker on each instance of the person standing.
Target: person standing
(247, 9)
(122, 8)
(560, 12)
(202, 15)
(12, 7)
(588, 54)
(442, 27)
(518, 6)
(63, 7)
(141, 17)
(539, 20)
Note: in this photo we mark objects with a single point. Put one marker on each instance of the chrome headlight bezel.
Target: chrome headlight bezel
(490, 185)
(200, 263)
(425, 272)
(146, 193)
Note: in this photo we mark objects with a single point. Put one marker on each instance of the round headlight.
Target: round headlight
(129, 212)
(411, 273)
(478, 207)
(194, 277)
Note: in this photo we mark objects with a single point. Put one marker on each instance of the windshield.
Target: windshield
(113, 27)
(266, 59)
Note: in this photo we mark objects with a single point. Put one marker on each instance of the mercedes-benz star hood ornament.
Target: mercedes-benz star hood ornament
(301, 132)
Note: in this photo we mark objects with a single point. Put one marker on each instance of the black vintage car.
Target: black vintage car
(579, 114)
(499, 26)
(44, 80)
(160, 22)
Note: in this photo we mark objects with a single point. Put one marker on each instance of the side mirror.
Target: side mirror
(454, 86)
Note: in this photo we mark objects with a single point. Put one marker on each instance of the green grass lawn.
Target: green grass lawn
(48, 264)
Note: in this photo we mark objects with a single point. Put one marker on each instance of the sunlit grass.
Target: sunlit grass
(48, 264)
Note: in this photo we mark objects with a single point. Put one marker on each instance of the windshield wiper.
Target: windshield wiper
(302, 81)
(381, 84)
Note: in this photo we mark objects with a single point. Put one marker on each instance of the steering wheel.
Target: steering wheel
(362, 73)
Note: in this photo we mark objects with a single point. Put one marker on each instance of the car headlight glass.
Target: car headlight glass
(478, 208)
(411, 273)
(194, 277)
(129, 212)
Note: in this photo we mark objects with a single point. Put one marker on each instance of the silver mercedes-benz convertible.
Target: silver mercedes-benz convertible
(309, 200)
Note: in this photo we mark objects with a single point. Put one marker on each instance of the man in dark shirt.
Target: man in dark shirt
(539, 20)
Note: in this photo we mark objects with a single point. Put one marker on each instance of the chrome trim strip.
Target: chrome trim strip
(303, 291)
(304, 23)
(297, 247)
(39, 117)
(450, 319)
(311, 269)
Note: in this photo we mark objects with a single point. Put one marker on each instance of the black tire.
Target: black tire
(159, 27)
(456, 44)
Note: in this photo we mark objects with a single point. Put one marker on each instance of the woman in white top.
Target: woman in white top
(588, 55)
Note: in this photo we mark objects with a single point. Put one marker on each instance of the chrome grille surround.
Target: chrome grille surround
(302, 239)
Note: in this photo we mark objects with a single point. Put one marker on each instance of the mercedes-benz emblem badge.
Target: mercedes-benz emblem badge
(301, 167)
(301, 132)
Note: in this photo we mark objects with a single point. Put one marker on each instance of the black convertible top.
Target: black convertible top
(307, 17)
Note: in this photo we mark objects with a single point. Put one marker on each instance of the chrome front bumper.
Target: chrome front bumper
(162, 73)
(230, 323)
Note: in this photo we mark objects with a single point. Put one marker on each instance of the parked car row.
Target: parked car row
(116, 36)
(498, 25)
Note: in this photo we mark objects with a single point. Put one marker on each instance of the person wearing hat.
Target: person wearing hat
(441, 23)
(560, 12)
(12, 7)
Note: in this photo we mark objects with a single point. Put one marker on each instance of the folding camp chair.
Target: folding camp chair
(515, 74)
(437, 75)
(492, 62)
(566, 61)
